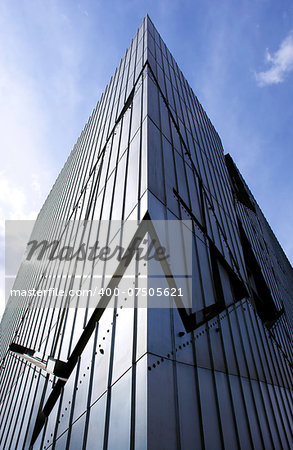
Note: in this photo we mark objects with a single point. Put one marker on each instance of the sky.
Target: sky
(57, 56)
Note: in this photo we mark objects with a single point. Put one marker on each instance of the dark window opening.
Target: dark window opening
(261, 295)
(237, 286)
(237, 184)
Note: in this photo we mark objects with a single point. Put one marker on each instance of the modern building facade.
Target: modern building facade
(216, 374)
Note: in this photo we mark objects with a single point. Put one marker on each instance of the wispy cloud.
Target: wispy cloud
(281, 63)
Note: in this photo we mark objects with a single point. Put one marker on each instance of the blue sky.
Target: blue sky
(56, 57)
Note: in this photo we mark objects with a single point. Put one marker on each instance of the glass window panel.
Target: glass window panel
(287, 405)
(252, 417)
(136, 113)
(33, 405)
(120, 413)
(188, 407)
(83, 380)
(123, 333)
(104, 169)
(160, 339)
(162, 406)
(107, 202)
(240, 413)
(163, 47)
(140, 32)
(181, 178)
(151, 44)
(141, 405)
(217, 348)
(265, 430)
(202, 169)
(66, 402)
(175, 137)
(254, 344)
(119, 189)
(271, 415)
(206, 164)
(152, 63)
(102, 355)
(60, 444)
(283, 412)
(226, 411)
(213, 231)
(153, 107)
(143, 157)
(205, 271)
(159, 58)
(129, 85)
(145, 55)
(74, 326)
(185, 350)
(170, 94)
(155, 169)
(238, 345)
(143, 201)
(138, 67)
(246, 342)
(131, 198)
(165, 119)
(121, 102)
(197, 297)
(157, 37)
(182, 130)
(190, 146)
(211, 426)
(145, 93)
(51, 426)
(95, 436)
(173, 81)
(226, 286)
(125, 132)
(115, 148)
(98, 205)
(177, 104)
(278, 416)
(172, 61)
(156, 208)
(124, 80)
(170, 177)
(150, 27)
(264, 350)
(161, 81)
(132, 60)
(77, 434)
(202, 348)
(17, 406)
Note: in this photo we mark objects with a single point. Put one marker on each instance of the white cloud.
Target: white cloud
(281, 63)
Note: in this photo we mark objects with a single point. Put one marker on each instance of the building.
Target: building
(216, 374)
